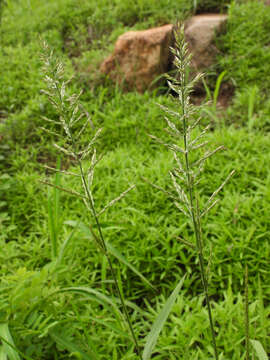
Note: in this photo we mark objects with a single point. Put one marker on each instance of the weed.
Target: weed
(186, 174)
(70, 115)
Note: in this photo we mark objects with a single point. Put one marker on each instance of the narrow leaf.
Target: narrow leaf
(89, 292)
(218, 84)
(64, 245)
(8, 343)
(123, 260)
(70, 346)
(3, 355)
(260, 352)
(152, 337)
(115, 253)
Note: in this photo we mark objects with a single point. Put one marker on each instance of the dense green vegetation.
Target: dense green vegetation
(46, 321)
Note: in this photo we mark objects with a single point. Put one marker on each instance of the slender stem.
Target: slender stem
(109, 260)
(195, 215)
(246, 314)
(103, 244)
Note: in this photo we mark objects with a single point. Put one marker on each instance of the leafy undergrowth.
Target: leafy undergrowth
(144, 227)
(51, 306)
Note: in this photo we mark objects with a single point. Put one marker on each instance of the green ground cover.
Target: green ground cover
(47, 322)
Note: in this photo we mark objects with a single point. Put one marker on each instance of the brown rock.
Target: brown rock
(139, 57)
(200, 31)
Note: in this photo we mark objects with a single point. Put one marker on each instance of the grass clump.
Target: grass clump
(71, 114)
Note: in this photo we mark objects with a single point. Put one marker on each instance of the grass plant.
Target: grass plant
(187, 172)
(71, 114)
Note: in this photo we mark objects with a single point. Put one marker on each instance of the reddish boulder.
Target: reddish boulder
(139, 58)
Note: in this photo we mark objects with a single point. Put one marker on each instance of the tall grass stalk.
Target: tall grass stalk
(189, 165)
(71, 115)
(246, 314)
(54, 211)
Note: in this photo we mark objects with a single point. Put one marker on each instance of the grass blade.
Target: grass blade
(87, 291)
(251, 103)
(115, 253)
(123, 260)
(152, 337)
(217, 88)
(110, 303)
(3, 355)
(70, 346)
(6, 349)
(261, 354)
(64, 245)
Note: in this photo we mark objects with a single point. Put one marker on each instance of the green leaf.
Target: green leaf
(70, 346)
(259, 350)
(93, 294)
(216, 92)
(6, 349)
(152, 337)
(113, 252)
(3, 355)
(123, 260)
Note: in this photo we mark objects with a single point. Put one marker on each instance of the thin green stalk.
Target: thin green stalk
(246, 314)
(195, 215)
(102, 241)
(89, 199)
